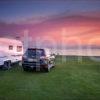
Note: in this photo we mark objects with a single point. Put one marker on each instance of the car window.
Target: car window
(35, 52)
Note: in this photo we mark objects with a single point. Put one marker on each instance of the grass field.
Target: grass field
(70, 80)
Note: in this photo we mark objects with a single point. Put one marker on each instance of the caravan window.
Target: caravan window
(19, 48)
(10, 47)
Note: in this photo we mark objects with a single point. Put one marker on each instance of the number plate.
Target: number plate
(32, 60)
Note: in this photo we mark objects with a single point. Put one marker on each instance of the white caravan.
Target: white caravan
(11, 51)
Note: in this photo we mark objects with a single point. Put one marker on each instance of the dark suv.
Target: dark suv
(38, 59)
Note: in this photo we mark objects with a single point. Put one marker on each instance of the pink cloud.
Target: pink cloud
(84, 27)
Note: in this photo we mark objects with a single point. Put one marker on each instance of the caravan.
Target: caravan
(11, 51)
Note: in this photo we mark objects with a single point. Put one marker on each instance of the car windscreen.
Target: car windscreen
(35, 52)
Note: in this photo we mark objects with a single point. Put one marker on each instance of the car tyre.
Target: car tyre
(24, 69)
(47, 69)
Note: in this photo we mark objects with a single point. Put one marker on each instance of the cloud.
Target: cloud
(82, 26)
(33, 20)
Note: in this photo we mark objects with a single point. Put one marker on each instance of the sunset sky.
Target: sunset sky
(56, 21)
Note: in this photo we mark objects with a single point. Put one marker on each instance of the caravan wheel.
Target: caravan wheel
(7, 65)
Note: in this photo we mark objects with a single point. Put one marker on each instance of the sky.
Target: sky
(64, 23)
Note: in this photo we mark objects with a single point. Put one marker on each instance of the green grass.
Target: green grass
(70, 80)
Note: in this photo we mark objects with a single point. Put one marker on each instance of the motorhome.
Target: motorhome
(11, 51)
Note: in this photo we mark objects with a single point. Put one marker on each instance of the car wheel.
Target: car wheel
(25, 69)
(48, 68)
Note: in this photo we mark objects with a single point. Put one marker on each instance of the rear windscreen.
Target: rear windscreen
(35, 52)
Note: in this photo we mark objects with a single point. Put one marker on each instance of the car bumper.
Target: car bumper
(34, 65)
